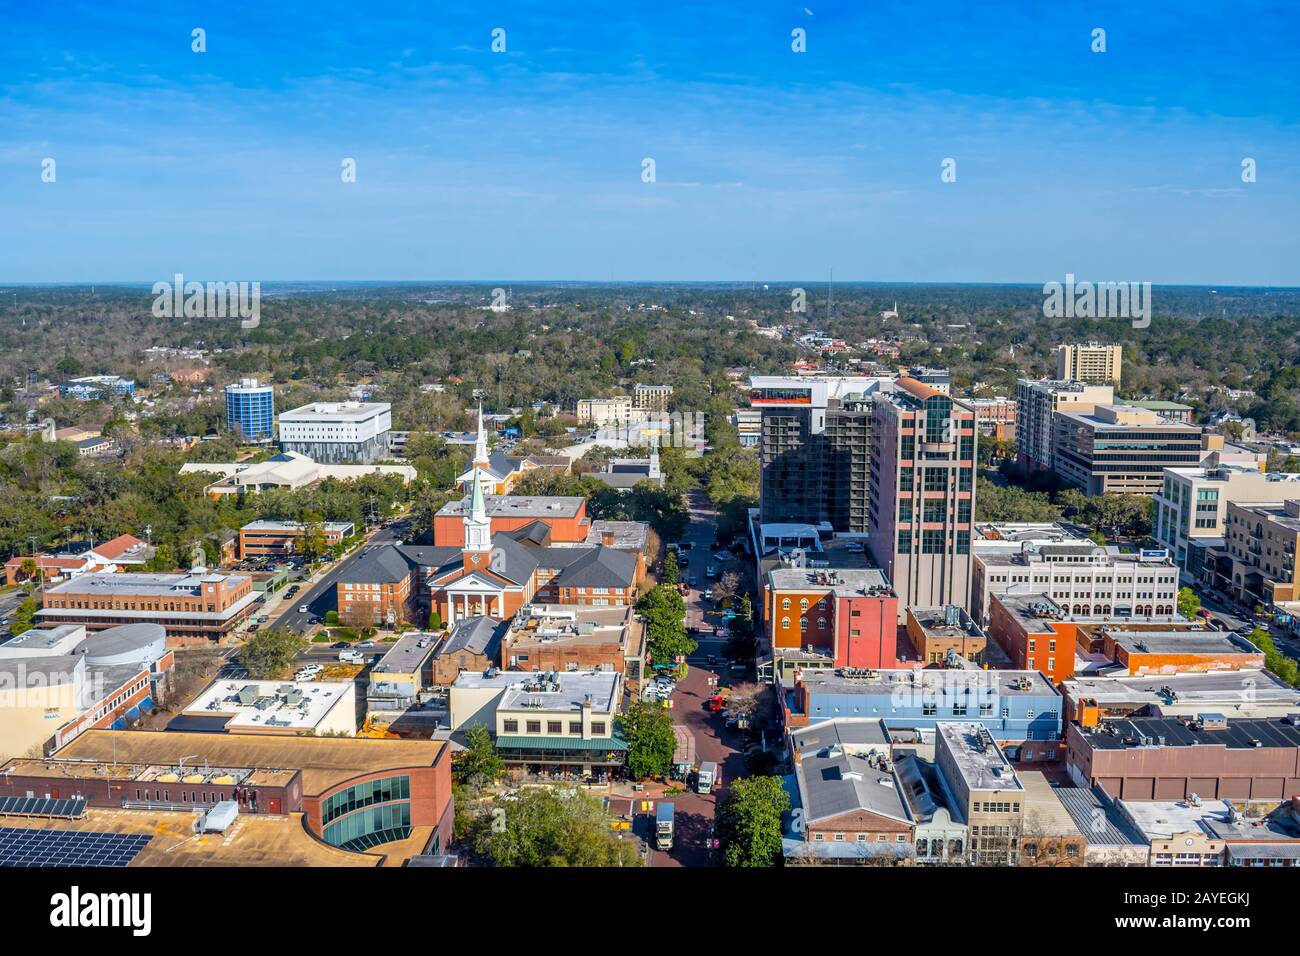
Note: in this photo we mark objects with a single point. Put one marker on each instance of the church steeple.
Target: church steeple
(478, 527)
(480, 443)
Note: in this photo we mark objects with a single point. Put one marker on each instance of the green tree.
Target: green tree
(648, 728)
(664, 611)
(671, 571)
(478, 765)
(270, 653)
(749, 821)
(24, 617)
(551, 826)
(1188, 602)
(313, 543)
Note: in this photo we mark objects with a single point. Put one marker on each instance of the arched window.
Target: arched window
(785, 624)
(821, 623)
(785, 604)
(803, 604)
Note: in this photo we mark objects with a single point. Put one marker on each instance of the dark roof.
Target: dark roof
(598, 567)
(478, 635)
(512, 560)
(1097, 818)
(535, 532)
(430, 556)
(383, 565)
(1128, 732)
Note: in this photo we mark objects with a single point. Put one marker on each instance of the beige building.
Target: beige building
(1036, 405)
(987, 790)
(1089, 363)
(1262, 540)
(1120, 449)
(605, 411)
(652, 398)
(1191, 508)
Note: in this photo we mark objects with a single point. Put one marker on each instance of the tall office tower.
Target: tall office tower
(1037, 402)
(250, 410)
(1089, 363)
(815, 449)
(923, 494)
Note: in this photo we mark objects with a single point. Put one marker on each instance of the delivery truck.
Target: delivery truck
(664, 826)
(707, 776)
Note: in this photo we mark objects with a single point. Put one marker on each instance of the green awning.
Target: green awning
(601, 744)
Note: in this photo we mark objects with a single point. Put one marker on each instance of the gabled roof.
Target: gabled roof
(511, 560)
(535, 532)
(833, 783)
(116, 547)
(476, 635)
(430, 557)
(384, 565)
(598, 567)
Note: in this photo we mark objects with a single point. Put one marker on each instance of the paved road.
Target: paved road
(320, 598)
(713, 741)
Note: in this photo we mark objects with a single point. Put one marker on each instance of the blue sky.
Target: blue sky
(1123, 165)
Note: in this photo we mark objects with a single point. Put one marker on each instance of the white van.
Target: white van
(350, 656)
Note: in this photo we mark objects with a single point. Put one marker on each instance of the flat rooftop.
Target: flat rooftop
(547, 690)
(934, 622)
(1035, 611)
(142, 585)
(1274, 512)
(408, 655)
(258, 839)
(324, 761)
(269, 704)
(41, 640)
(842, 582)
(978, 758)
(1128, 733)
(847, 732)
(1162, 819)
(289, 526)
(520, 506)
(1207, 643)
(843, 680)
(1045, 814)
(335, 411)
(1218, 688)
(575, 625)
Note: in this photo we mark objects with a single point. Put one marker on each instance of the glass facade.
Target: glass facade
(383, 790)
(368, 814)
(371, 827)
(250, 410)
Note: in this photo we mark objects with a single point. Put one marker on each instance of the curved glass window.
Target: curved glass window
(383, 790)
(371, 827)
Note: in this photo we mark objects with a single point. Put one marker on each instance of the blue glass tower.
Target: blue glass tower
(250, 410)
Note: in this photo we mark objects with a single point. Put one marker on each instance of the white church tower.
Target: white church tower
(478, 527)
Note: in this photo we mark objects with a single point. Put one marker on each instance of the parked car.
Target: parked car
(253, 627)
(308, 671)
(366, 644)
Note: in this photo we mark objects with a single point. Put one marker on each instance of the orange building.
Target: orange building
(848, 615)
(1032, 630)
(565, 519)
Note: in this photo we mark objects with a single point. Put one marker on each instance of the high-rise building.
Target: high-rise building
(335, 432)
(250, 410)
(1192, 505)
(815, 449)
(922, 497)
(1089, 363)
(1037, 402)
(1120, 449)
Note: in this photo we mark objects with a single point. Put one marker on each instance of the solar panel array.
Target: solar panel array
(42, 807)
(23, 847)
